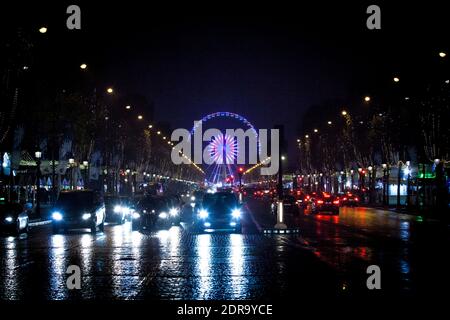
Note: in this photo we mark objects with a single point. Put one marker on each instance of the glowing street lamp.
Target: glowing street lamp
(306, 136)
(442, 54)
(110, 90)
(43, 30)
(38, 155)
(316, 130)
(330, 123)
(159, 132)
(128, 107)
(83, 66)
(344, 113)
(150, 126)
(367, 98)
(298, 140)
(140, 117)
(396, 79)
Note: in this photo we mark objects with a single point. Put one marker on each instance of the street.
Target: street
(329, 256)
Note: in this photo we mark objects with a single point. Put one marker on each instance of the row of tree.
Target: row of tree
(77, 118)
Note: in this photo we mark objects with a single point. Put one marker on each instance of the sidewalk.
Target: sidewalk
(428, 214)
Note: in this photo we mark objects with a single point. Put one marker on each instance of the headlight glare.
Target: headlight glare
(86, 216)
(173, 212)
(203, 213)
(163, 215)
(136, 215)
(57, 216)
(236, 213)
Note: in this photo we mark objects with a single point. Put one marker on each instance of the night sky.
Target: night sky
(269, 63)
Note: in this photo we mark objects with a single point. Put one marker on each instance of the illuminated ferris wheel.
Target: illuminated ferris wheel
(223, 149)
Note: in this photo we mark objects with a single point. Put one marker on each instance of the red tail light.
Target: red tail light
(356, 199)
(336, 202)
(319, 201)
(345, 199)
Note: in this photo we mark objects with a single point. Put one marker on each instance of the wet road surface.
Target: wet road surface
(329, 256)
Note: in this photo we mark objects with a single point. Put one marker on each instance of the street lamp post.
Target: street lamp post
(386, 178)
(370, 169)
(86, 173)
(408, 182)
(38, 155)
(71, 163)
(352, 179)
(399, 180)
(360, 178)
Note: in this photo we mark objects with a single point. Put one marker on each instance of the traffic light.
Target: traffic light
(240, 173)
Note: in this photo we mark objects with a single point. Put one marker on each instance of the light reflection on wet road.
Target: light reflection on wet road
(330, 253)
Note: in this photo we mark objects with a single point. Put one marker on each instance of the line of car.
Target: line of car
(88, 209)
(298, 201)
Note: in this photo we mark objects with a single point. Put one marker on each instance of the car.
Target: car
(301, 199)
(116, 209)
(219, 211)
(325, 203)
(349, 199)
(152, 212)
(79, 209)
(14, 218)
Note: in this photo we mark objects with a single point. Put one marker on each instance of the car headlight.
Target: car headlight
(136, 215)
(192, 198)
(86, 216)
(173, 212)
(236, 213)
(163, 215)
(203, 213)
(57, 216)
(118, 209)
(9, 219)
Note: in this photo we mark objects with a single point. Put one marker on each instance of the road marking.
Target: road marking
(39, 223)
